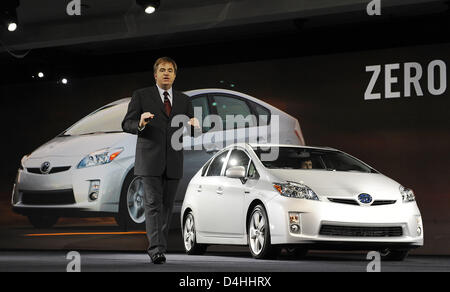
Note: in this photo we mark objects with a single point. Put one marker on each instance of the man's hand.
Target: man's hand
(145, 118)
(194, 122)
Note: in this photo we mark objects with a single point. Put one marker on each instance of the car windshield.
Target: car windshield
(105, 120)
(312, 159)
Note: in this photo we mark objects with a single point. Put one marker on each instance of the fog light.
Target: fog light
(94, 189)
(295, 228)
(419, 225)
(93, 196)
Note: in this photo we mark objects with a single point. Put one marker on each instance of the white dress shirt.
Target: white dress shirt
(161, 94)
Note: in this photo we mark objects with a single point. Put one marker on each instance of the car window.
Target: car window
(215, 167)
(262, 113)
(312, 159)
(202, 103)
(238, 158)
(107, 119)
(205, 167)
(230, 106)
(252, 172)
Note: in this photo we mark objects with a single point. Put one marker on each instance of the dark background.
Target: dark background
(315, 74)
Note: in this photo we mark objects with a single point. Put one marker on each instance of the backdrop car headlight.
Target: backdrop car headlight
(295, 190)
(407, 194)
(100, 157)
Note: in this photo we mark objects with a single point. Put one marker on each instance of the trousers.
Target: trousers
(159, 197)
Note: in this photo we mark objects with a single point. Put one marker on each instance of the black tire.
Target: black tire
(256, 234)
(43, 221)
(123, 218)
(394, 255)
(190, 237)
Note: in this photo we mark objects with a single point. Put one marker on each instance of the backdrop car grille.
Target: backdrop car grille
(60, 197)
(37, 170)
(361, 231)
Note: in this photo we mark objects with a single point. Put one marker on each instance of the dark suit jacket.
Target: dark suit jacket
(154, 152)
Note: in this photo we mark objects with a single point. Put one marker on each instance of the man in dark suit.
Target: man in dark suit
(159, 165)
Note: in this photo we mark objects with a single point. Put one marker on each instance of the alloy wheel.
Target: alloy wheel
(257, 232)
(135, 201)
(189, 233)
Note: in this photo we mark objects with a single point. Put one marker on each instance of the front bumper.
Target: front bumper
(362, 225)
(46, 191)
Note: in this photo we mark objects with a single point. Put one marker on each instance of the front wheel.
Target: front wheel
(189, 237)
(131, 207)
(259, 234)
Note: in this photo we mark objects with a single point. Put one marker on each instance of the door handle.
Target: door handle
(219, 190)
(199, 189)
(212, 150)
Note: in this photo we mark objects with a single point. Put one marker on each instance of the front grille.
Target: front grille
(354, 202)
(343, 201)
(383, 202)
(60, 197)
(37, 170)
(361, 231)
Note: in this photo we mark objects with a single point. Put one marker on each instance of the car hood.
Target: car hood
(70, 146)
(340, 184)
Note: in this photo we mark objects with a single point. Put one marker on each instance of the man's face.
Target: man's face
(165, 75)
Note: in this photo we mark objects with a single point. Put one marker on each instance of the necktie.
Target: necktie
(167, 103)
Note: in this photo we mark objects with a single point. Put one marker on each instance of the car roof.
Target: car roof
(256, 145)
(214, 90)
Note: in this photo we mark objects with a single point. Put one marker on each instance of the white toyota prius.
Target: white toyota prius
(299, 198)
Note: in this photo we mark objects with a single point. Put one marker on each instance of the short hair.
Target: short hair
(164, 60)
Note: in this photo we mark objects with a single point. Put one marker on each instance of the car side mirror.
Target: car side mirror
(235, 172)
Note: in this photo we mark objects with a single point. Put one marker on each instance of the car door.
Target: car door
(231, 200)
(207, 190)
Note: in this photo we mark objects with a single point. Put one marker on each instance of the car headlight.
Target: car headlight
(295, 190)
(99, 157)
(407, 194)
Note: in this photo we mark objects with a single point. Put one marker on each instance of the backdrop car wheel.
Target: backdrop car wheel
(43, 221)
(394, 255)
(131, 207)
(189, 238)
(259, 234)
